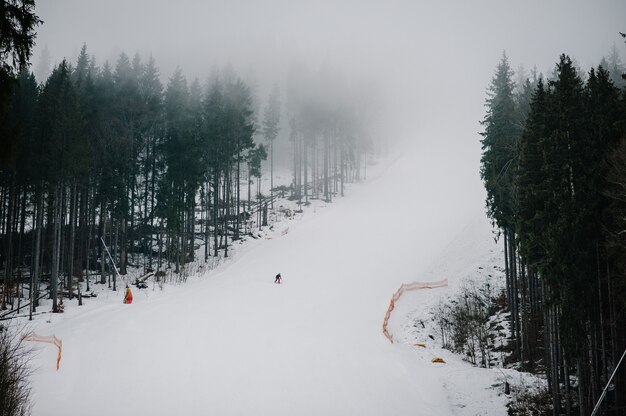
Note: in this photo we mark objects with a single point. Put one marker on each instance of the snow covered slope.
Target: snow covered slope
(235, 343)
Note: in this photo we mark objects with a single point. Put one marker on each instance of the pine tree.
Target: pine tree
(499, 145)
(616, 68)
(531, 193)
(61, 126)
(151, 92)
(17, 38)
(214, 151)
(240, 128)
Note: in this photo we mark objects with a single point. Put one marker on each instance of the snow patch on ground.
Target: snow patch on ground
(474, 255)
(231, 342)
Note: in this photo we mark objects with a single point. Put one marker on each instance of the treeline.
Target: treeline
(330, 122)
(553, 164)
(102, 154)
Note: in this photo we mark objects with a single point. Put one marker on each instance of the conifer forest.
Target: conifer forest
(220, 200)
(553, 164)
(108, 154)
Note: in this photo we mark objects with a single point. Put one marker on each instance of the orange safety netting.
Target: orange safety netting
(48, 339)
(404, 288)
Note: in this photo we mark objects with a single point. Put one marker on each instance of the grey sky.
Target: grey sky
(357, 33)
(433, 59)
(387, 40)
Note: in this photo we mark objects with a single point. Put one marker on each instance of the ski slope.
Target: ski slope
(234, 343)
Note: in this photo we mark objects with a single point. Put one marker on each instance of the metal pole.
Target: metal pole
(595, 409)
(110, 257)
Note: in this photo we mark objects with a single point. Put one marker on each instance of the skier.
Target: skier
(278, 278)
(128, 295)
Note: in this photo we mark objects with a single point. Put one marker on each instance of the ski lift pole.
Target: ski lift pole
(595, 409)
(111, 258)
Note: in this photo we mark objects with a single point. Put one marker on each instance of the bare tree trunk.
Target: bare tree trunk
(206, 211)
(83, 221)
(227, 186)
(272, 173)
(8, 248)
(314, 167)
(335, 176)
(70, 274)
(326, 155)
(258, 197)
(191, 221)
(35, 278)
(343, 166)
(298, 173)
(556, 359)
(103, 237)
(306, 170)
(115, 250)
(56, 249)
(581, 387)
(152, 192)
(515, 294)
(121, 230)
(91, 214)
(547, 342)
(295, 162)
(216, 192)
(249, 191)
(147, 236)
(62, 243)
(160, 243)
(604, 368)
(568, 408)
(20, 253)
(523, 314)
(593, 368)
(237, 189)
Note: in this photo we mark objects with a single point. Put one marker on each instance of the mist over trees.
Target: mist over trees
(108, 154)
(553, 168)
(330, 131)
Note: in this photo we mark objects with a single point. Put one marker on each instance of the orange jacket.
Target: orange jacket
(128, 296)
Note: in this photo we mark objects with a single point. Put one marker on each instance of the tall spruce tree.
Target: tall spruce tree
(17, 38)
(499, 145)
(499, 142)
(529, 181)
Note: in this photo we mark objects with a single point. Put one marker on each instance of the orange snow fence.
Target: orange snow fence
(48, 339)
(405, 288)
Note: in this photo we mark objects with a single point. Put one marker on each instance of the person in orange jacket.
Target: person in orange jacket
(128, 295)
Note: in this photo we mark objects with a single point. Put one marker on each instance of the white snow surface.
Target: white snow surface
(231, 342)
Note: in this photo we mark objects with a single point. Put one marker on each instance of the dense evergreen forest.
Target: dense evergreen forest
(554, 167)
(107, 154)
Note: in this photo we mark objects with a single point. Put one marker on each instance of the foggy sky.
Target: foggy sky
(415, 43)
(433, 59)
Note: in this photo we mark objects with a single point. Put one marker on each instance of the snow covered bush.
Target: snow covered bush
(14, 373)
(467, 322)
(528, 402)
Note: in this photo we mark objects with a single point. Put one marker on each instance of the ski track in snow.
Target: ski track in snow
(234, 343)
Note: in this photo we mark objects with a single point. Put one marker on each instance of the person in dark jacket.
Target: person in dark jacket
(278, 278)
